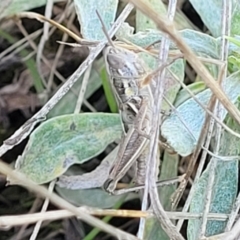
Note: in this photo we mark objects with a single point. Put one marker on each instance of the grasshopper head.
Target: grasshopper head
(123, 63)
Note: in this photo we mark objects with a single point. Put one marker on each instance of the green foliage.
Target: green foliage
(91, 27)
(66, 140)
(211, 14)
(234, 58)
(184, 95)
(224, 188)
(108, 91)
(193, 115)
(74, 139)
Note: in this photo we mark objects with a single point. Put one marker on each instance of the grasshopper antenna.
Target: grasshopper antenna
(105, 29)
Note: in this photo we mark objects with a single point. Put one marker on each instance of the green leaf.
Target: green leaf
(235, 41)
(235, 63)
(108, 91)
(184, 95)
(211, 14)
(224, 188)
(224, 193)
(234, 53)
(143, 22)
(202, 44)
(235, 28)
(91, 27)
(66, 140)
(233, 45)
(169, 169)
(174, 131)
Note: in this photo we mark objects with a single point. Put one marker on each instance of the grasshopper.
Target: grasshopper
(126, 72)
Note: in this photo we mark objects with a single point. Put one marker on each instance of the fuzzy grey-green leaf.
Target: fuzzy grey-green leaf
(224, 189)
(212, 18)
(91, 27)
(193, 115)
(65, 140)
(143, 22)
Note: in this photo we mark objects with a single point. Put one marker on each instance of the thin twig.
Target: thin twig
(47, 63)
(34, 47)
(161, 183)
(39, 17)
(14, 53)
